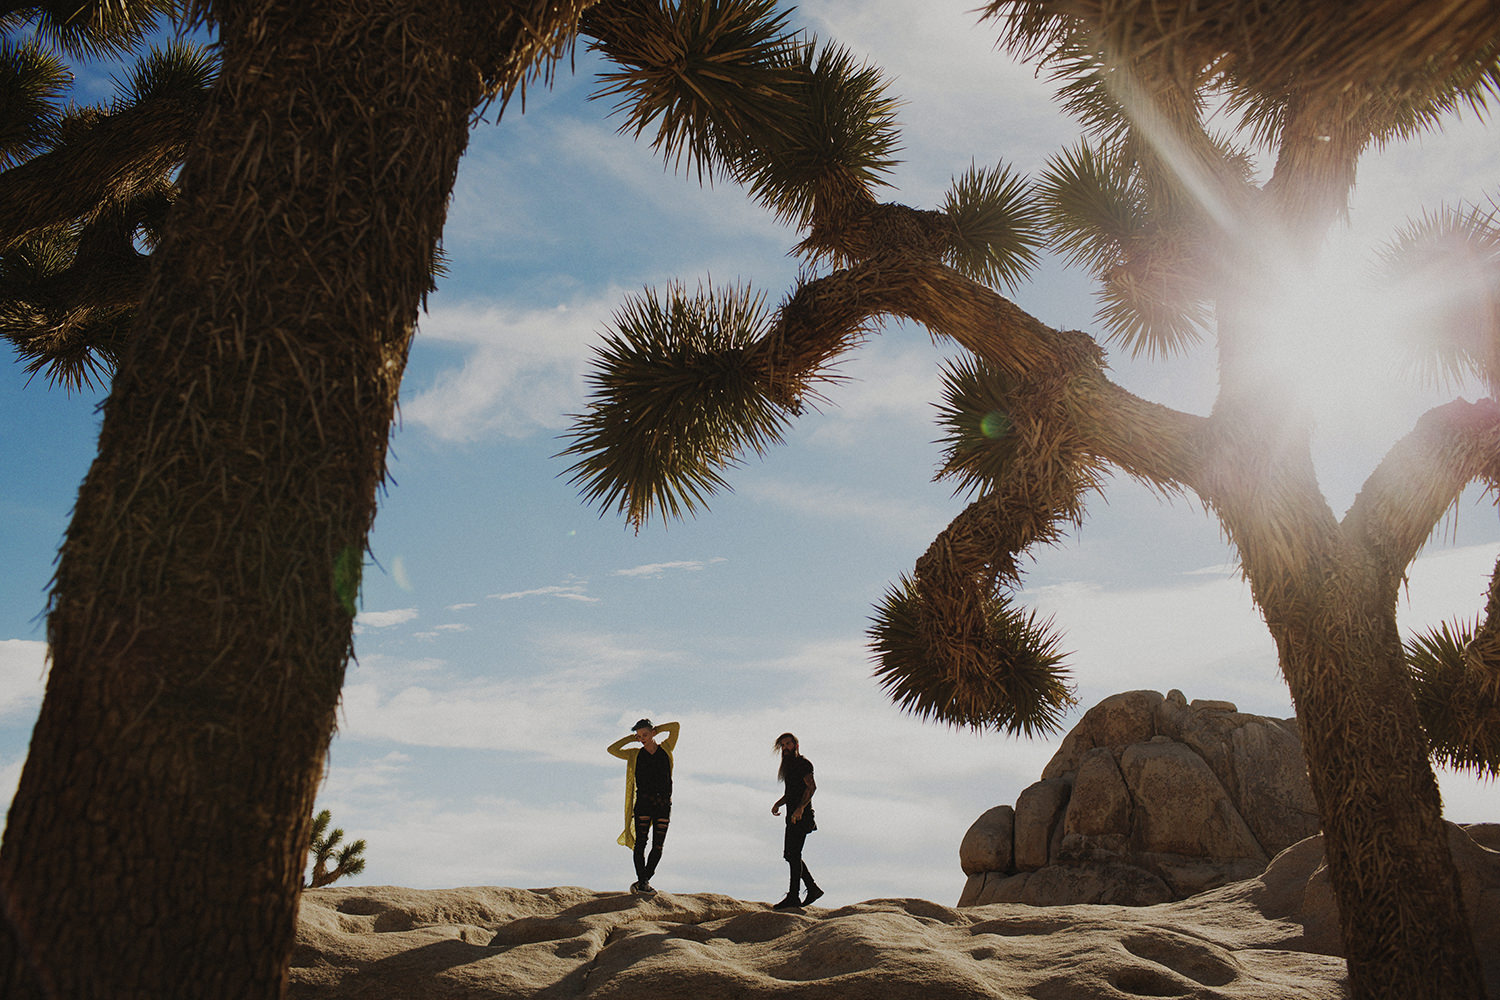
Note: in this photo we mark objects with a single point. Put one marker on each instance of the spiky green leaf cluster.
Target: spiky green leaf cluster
(978, 443)
(1460, 714)
(73, 348)
(176, 70)
(673, 399)
(1091, 208)
(1015, 682)
(33, 84)
(705, 78)
(722, 85)
(996, 224)
(840, 143)
(1096, 213)
(1456, 251)
(325, 847)
(90, 28)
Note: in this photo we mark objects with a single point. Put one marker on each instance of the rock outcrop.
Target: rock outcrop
(1149, 799)
(388, 943)
(1273, 937)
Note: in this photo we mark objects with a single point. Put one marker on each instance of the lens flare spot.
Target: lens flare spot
(347, 567)
(994, 425)
(398, 574)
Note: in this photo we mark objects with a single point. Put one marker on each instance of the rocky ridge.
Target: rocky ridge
(1273, 937)
(1149, 799)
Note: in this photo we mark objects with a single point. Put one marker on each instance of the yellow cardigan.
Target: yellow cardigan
(617, 748)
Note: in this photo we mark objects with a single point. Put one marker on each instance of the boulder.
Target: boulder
(1038, 810)
(1181, 808)
(1101, 804)
(1118, 720)
(986, 846)
(1150, 797)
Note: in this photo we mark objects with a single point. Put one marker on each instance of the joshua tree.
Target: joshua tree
(84, 189)
(1182, 240)
(204, 598)
(348, 859)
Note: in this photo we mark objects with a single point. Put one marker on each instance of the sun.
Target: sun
(1334, 334)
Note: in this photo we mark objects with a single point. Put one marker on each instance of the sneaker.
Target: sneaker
(645, 889)
(791, 902)
(636, 887)
(813, 895)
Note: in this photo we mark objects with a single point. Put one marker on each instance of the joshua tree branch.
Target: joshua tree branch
(827, 315)
(1421, 477)
(117, 153)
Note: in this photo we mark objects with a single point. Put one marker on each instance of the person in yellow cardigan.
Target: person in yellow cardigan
(648, 794)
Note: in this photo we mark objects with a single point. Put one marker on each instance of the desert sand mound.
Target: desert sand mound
(1248, 941)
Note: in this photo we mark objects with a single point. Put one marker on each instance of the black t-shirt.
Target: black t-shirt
(795, 774)
(653, 773)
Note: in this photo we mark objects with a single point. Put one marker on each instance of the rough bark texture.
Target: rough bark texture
(205, 593)
(1404, 925)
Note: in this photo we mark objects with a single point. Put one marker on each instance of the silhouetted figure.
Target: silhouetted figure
(796, 773)
(648, 794)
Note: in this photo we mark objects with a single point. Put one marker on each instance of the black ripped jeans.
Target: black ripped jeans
(796, 836)
(652, 814)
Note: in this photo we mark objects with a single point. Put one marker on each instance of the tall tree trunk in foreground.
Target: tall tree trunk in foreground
(1328, 590)
(205, 592)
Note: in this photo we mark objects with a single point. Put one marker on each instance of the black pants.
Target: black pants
(645, 824)
(796, 836)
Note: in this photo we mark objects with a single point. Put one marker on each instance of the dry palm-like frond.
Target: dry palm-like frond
(1153, 302)
(94, 28)
(996, 226)
(176, 71)
(108, 156)
(68, 295)
(75, 346)
(1451, 257)
(836, 145)
(1020, 686)
(978, 443)
(709, 77)
(33, 84)
(1091, 206)
(674, 398)
(1151, 299)
(1459, 705)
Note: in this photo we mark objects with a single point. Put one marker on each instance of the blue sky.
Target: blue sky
(508, 633)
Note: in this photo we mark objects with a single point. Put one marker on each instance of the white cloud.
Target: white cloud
(886, 829)
(534, 700)
(890, 382)
(894, 515)
(385, 619)
(658, 569)
(567, 591)
(520, 372)
(23, 676)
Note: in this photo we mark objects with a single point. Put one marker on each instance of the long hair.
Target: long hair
(781, 771)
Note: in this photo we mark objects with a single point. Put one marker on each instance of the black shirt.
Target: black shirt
(795, 773)
(653, 773)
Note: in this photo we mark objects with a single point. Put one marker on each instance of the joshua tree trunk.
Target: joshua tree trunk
(1328, 590)
(1404, 926)
(206, 588)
